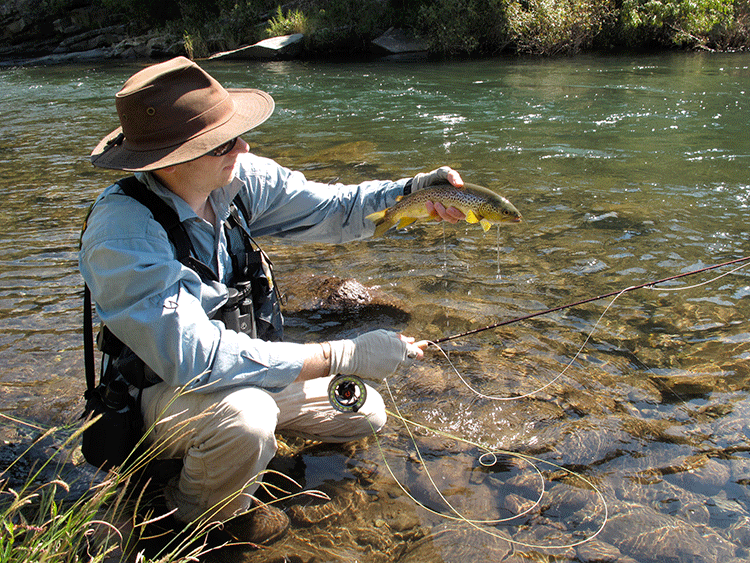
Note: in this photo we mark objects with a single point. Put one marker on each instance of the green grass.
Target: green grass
(38, 523)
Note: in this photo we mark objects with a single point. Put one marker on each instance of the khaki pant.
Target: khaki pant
(227, 438)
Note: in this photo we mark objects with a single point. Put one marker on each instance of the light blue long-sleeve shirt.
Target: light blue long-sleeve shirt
(161, 308)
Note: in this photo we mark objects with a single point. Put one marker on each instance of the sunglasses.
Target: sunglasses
(224, 148)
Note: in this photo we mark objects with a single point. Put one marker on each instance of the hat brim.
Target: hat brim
(252, 107)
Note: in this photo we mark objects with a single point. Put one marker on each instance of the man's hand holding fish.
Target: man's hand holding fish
(436, 209)
(443, 195)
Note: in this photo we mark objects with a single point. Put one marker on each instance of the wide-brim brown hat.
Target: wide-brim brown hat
(174, 112)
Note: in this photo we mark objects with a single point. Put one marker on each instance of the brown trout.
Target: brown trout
(479, 204)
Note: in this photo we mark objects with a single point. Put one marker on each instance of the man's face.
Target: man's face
(209, 172)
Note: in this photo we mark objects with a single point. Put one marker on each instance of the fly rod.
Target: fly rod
(589, 300)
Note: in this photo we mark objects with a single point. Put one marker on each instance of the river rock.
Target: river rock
(706, 475)
(450, 542)
(310, 294)
(652, 537)
(45, 458)
(282, 47)
(400, 43)
(596, 551)
(739, 531)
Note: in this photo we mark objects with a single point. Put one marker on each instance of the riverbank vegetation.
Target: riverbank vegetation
(346, 28)
(455, 27)
(41, 521)
(51, 512)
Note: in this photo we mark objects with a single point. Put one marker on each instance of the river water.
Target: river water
(621, 429)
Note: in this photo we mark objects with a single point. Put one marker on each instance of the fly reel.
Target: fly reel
(347, 393)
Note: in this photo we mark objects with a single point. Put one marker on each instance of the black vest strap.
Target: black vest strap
(88, 343)
(162, 212)
(168, 219)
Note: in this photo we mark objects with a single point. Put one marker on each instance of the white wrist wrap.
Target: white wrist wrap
(376, 355)
(426, 179)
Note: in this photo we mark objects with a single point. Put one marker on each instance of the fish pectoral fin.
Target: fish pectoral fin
(485, 224)
(471, 217)
(399, 198)
(405, 222)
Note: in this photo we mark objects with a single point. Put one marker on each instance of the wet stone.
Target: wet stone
(739, 531)
(709, 477)
(740, 468)
(695, 512)
(596, 551)
(311, 294)
(562, 500)
(450, 542)
(518, 505)
(319, 513)
(527, 483)
(377, 540)
(546, 538)
(450, 481)
(652, 537)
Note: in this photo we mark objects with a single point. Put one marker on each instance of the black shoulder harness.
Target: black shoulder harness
(256, 265)
(168, 219)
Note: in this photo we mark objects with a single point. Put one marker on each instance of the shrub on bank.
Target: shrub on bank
(451, 27)
(460, 27)
(682, 23)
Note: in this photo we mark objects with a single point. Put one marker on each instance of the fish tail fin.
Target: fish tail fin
(381, 224)
(376, 217)
(381, 228)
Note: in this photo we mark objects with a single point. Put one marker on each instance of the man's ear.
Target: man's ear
(163, 174)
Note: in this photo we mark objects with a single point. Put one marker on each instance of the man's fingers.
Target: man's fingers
(438, 211)
(455, 178)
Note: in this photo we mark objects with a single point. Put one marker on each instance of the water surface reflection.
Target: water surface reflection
(625, 169)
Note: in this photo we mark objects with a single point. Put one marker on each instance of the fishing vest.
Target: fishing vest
(253, 306)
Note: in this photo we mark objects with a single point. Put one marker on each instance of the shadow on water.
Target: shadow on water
(626, 170)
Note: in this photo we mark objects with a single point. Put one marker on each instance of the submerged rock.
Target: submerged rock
(651, 536)
(340, 296)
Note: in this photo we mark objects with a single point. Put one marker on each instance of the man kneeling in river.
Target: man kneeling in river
(193, 303)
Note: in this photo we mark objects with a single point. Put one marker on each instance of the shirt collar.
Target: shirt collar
(220, 198)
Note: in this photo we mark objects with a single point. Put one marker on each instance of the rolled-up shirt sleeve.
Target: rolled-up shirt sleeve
(283, 203)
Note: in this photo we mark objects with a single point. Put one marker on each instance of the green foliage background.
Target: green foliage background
(454, 27)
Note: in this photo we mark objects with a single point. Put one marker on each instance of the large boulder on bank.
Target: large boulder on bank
(282, 47)
(400, 43)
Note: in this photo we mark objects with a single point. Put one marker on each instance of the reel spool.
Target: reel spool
(347, 393)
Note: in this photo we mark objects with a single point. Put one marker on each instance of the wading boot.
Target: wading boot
(262, 525)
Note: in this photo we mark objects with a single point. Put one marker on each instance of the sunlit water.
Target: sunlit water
(626, 170)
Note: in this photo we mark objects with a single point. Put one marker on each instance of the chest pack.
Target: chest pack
(253, 307)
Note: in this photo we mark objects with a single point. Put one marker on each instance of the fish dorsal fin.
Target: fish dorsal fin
(471, 217)
(399, 198)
